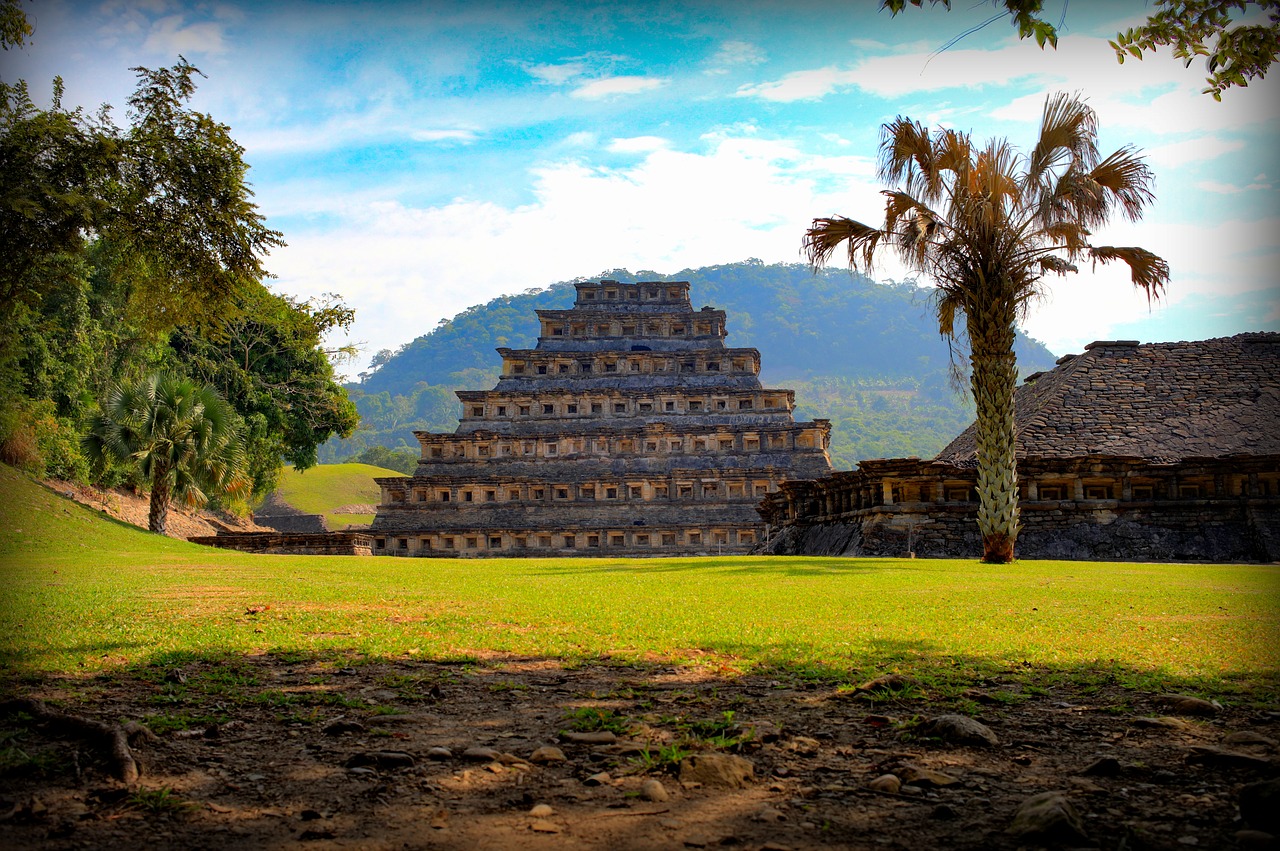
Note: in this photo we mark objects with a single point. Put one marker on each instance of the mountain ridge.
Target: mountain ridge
(866, 355)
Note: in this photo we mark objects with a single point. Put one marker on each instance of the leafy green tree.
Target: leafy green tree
(269, 363)
(1234, 53)
(183, 437)
(14, 27)
(401, 460)
(169, 195)
(986, 224)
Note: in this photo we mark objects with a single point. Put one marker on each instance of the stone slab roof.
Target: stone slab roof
(1159, 401)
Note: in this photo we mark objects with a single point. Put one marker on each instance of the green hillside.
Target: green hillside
(321, 489)
(865, 355)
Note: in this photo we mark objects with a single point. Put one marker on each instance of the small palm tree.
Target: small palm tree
(182, 436)
(986, 224)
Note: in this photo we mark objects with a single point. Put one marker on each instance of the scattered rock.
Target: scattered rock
(1084, 784)
(439, 753)
(542, 811)
(762, 731)
(480, 754)
(1248, 737)
(653, 790)
(959, 730)
(1183, 704)
(1260, 805)
(770, 815)
(543, 826)
(1048, 815)
(600, 779)
(311, 834)
(1219, 758)
(716, 770)
(381, 759)
(886, 783)
(621, 748)
(310, 815)
(1163, 723)
(889, 682)
(942, 812)
(803, 746)
(1256, 840)
(598, 737)
(505, 758)
(919, 776)
(1107, 766)
(342, 726)
(546, 755)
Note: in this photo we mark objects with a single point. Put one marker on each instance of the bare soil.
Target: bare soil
(130, 507)
(248, 754)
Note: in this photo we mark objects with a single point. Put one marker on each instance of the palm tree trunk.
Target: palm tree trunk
(994, 379)
(158, 512)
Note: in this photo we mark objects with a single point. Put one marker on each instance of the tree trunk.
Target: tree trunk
(158, 513)
(994, 379)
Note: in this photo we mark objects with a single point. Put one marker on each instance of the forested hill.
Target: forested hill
(867, 356)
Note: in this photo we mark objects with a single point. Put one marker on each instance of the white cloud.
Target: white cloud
(169, 35)
(1204, 260)
(734, 54)
(742, 197)
(557, 74)
(802, 85)
(1231, 188)
(613, 86)
(443, 135)
(1198, 150)
(581, 139)
(637, 144)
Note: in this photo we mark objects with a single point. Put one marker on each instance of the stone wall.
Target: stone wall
(1218, 510)
(293, 524)
(325, 544)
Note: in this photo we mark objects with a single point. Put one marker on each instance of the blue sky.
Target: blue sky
(424, 157)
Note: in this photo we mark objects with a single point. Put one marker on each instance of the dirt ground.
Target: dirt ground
(272, 752)
(129, 507)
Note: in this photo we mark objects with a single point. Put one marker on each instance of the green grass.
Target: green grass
(79, 592)
(321, 489)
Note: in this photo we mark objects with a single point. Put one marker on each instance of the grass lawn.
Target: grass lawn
(80, 593)
(325, 487)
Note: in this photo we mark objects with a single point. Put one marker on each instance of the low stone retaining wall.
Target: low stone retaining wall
(317, 544)
(1217, 530)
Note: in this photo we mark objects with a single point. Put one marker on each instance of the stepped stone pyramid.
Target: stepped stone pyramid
(630, 429)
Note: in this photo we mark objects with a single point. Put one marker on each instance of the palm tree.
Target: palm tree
(986, 224)
(182, 436)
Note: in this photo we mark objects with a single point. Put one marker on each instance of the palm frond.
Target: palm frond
(1068, 133)
(908, 157)
(1125, 181)
(1148, 272)
(1053, 263)
(825, 236)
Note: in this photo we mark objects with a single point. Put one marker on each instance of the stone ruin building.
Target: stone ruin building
(1165, 451)
(630, 429)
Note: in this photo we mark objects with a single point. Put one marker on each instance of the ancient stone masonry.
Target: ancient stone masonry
(305, 544)
(1166, 451)
(630, 429)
